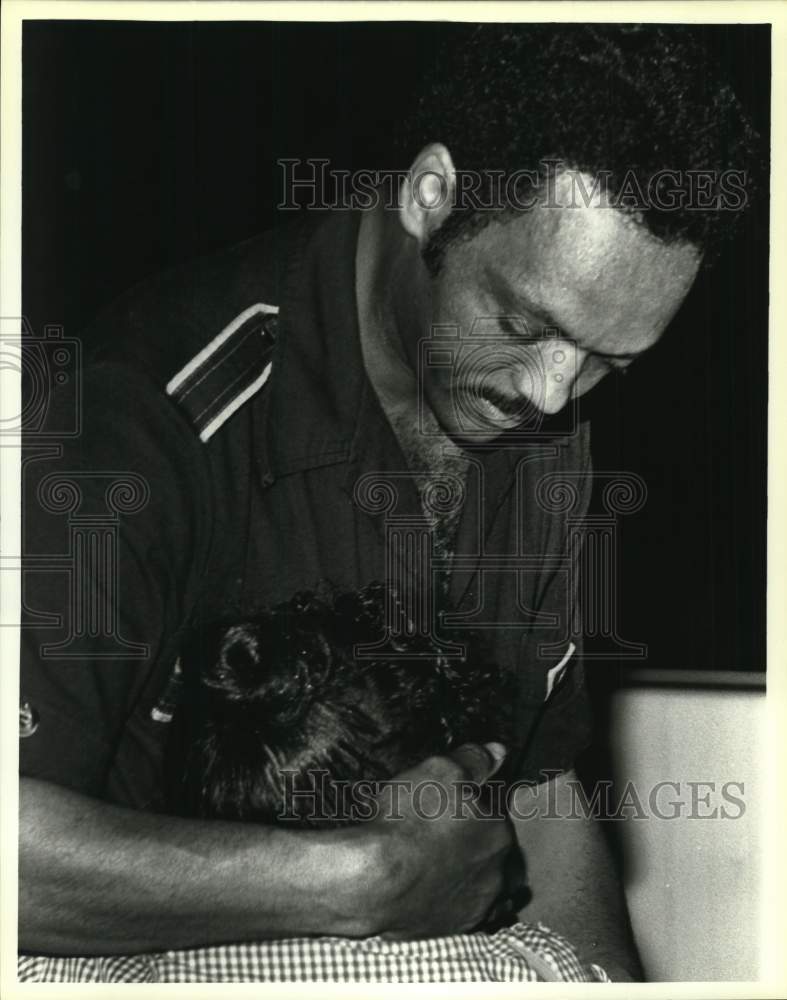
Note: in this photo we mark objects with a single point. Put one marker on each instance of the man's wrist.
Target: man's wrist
(349, 868)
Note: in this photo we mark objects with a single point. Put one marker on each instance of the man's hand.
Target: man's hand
(443, 864)
(99, 879)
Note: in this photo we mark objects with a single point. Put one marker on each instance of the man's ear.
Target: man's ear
(427, 194)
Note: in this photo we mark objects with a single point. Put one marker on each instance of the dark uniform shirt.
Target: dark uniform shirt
(232, 452)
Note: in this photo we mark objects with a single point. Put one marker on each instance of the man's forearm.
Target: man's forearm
(100, 879)
(576, 889)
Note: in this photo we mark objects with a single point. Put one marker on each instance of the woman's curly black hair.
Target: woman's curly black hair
(622, 100)
(280, 718)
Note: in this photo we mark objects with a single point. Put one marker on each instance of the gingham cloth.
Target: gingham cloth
(522, 953)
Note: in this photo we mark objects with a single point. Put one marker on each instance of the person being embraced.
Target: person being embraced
(302, 715)
(286, 714)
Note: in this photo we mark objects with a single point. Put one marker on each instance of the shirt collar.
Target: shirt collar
(322, 409)
(318, 379)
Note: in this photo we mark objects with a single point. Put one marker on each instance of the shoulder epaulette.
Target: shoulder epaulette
(228, 371)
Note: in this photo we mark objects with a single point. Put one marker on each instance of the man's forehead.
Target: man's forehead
(586, 239)
(590, 265)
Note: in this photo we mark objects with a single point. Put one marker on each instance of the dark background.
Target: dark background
(148, 144)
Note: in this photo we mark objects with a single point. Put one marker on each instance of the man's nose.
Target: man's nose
(549, 382)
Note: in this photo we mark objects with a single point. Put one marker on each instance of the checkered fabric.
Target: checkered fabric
(523, 953)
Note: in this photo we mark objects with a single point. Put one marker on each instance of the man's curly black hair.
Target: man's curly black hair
(616, 100)
(284, 692)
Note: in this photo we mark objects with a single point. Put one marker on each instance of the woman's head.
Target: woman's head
(280, 715)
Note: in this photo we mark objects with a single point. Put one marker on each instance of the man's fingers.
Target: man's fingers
(479, 761)
(476, 763)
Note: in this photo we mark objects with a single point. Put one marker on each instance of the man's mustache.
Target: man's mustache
(516, 407)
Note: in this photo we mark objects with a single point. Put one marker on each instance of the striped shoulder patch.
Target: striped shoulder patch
(228, 371)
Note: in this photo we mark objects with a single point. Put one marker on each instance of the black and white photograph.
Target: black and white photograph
(392, 591)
